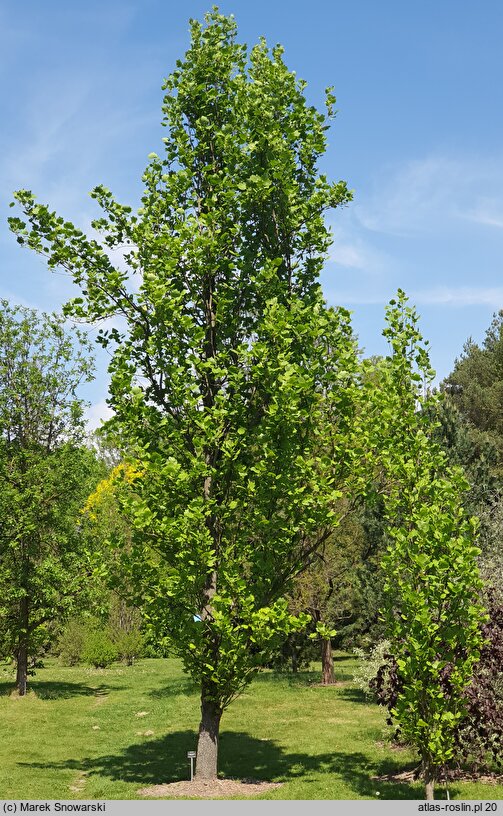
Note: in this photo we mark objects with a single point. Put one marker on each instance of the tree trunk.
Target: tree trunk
(207, 744)
(22, 669)
(429, 782)
(22, 650)
(327, 663)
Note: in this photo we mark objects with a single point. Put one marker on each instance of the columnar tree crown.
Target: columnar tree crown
(230, 379)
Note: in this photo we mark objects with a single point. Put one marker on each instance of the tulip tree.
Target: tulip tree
(230, 380)
(434, 615)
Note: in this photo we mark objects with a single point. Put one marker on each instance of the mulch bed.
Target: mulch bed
(455, 775)
(214, 789)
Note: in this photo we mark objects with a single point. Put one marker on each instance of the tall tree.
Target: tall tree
(45, 476)
(433, 610)
(230, 368)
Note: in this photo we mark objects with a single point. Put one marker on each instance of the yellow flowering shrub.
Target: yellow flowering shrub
(106, 490)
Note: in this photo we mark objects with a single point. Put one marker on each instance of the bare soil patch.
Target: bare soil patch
(393, 746)
(210, 789)
(80, 782)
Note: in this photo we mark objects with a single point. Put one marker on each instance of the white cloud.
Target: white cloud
(438, 295)
(347, 255)
(96, 414)
(460, 296)
(488, 213)
(18, 300)
(432, 194)
(402, 197)
(354, 248)
(357, 298)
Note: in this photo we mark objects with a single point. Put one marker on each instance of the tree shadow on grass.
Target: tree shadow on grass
(304, 678)
(183, 685)
(291, 679)
(6, 688)
(48, 690)
(355, 770)
(301, 678)
(354, 695)
(153, 762)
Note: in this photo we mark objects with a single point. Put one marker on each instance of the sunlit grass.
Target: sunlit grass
(84, 733)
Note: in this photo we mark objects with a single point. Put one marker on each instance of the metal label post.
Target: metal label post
(191, 755)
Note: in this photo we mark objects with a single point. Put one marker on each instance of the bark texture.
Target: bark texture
(429, 783)
(327, 663)
(22, 650)
(22, 670)
(207, 744)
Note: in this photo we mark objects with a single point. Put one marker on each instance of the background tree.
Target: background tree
(471, 430)
(110, 536)
(327, 589)
(468, 447)
(491, 557)
(231, 379)
(475, 385)
(45, 475)
(365, 626)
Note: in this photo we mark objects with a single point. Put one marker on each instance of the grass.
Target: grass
(83, 733)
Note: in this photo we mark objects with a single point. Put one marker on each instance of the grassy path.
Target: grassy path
(84, 734)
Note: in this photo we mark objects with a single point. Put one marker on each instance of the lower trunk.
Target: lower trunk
(429, 782)
(22, 669)
(207, 744)
(327, 663)
(22, 649)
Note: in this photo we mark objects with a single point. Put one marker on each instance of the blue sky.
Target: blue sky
(418, 136)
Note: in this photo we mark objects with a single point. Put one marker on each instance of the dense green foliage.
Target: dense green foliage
(478, 733)
(468, 447)
(476, 384)
(117, 635)
(45, 476)
(70, 643)
(475, 389)
(98, 649)
(433, 611)
(232, 382)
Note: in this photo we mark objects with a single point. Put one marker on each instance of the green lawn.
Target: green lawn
(83, 733)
